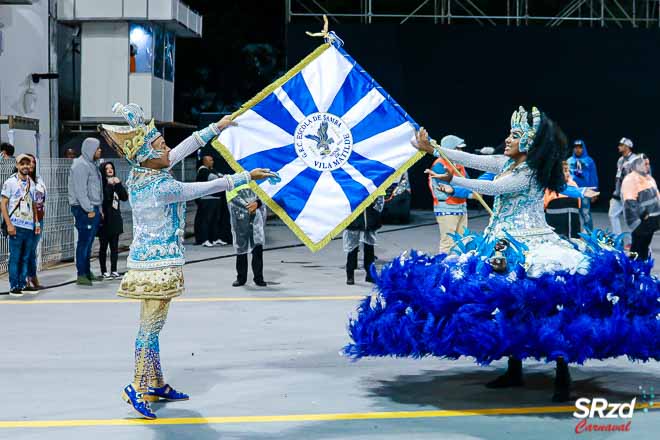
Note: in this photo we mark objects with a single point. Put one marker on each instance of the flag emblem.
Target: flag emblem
(323, 141)
(334, 136)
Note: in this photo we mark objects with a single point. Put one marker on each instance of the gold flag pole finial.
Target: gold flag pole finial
(324, 32)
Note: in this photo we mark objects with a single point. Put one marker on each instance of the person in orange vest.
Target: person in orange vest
(549, 196)
(449, 202)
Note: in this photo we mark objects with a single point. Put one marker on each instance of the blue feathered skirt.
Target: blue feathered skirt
(458, 306)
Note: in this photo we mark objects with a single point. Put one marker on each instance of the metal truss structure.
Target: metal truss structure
(551, 13)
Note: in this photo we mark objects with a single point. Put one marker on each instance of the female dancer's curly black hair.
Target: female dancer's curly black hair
(545, 157)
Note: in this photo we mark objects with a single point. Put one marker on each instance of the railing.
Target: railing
(57, 241)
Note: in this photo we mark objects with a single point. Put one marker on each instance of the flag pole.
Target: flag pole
(476, 195)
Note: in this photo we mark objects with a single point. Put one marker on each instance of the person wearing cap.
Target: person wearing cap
(583, 172)
(19, 214)
(86, 198)
(615, 213)
(641, 203)
(449, 202)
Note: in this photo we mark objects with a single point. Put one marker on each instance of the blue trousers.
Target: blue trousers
(19, 254)
(585, 213)
(32, 259)
(87, 228)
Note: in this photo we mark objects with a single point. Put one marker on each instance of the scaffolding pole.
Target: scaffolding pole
(517, 12)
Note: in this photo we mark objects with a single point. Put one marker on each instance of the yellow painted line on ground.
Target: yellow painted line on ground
(187, 299)
(295, 417)
(287, 418)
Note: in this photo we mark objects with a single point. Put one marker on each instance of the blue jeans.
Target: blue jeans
(87, 228)
(32, 258)
(585, 213)
(19, 253)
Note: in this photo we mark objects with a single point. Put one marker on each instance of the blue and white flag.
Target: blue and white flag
(334, 136)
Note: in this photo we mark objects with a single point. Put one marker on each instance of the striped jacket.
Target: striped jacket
(640, 198)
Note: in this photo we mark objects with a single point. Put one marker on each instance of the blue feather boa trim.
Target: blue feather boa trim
(457, 306)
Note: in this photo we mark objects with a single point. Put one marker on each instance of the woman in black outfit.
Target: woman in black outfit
(112, 225)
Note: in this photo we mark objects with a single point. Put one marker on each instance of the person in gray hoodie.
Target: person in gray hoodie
(86, 198)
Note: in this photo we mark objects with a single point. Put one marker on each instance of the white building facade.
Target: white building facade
(127, 50)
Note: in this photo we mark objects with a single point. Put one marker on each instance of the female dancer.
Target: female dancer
(519, 290)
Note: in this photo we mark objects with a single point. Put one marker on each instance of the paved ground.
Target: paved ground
(264, 363)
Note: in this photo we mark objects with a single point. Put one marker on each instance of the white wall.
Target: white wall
(104, 76)
(95, 8)
(140, 92)
(168, 101)
(25, 51)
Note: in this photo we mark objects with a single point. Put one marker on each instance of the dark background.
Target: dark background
(598, 84)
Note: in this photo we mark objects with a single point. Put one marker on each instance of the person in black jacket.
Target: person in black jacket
(207, 219)
(362, 229)
(112, 225)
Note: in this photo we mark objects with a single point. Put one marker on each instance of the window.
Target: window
(141, 49)
(170, 46)
(159, 48)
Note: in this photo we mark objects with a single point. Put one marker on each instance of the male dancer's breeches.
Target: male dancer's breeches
(162, 283)
(148, 372)
(155, 288)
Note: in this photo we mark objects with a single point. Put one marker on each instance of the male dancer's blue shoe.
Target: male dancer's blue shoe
(136, 400)
(166, 392)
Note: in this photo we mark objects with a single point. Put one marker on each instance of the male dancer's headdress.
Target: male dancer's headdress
(519, 123)
(132, 142)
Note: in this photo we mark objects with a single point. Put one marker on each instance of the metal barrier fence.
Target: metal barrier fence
(57, 240)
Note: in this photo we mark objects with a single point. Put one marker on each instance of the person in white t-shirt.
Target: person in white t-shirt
(20, 215)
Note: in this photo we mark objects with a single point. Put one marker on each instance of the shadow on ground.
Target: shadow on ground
(460, 388)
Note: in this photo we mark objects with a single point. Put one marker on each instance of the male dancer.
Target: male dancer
(156, 258)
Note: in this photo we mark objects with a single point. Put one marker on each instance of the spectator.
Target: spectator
(584, 174)
(132, 54)
(19, 215)
(6, 150)
(224, 222)
(85, 198)
(363, 229)
(562, 212)
(622, 166)
(248, 218)
(112, 224)
(40, 204)
(449, 203)
(207, 218)
(641, 203)
(70, 153)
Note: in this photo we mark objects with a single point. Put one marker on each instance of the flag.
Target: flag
(334, 136)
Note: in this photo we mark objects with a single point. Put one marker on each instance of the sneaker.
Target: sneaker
(137, 401)
(166, 392)
(93, 277)
(220, 242)
(16, 292)
(32, 290)
(115, 275)
(107, 276)
(207, 244)
(83, 281)
(34, 281)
